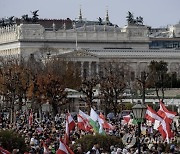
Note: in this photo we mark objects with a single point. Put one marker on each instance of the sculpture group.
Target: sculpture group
(24, 19)
(34, 19)
(7, 22)
(131, 21)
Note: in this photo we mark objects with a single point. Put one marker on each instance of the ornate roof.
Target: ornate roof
(97, 28)
(137, 53)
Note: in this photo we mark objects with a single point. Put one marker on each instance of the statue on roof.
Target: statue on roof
(100, 20)
(25, 18)
(130, 18)
(11, 20)
(139, 20)
(2, 22)
(131, 21)
(35, 16)
(7, 22)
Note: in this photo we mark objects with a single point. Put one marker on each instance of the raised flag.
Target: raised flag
(127, 118)
(105, 124)
(63, 149)
(71, 122)
(45, 149)
(152, 115)
(165, 113)
(101, 130)
(30, 119)
(165, 130)
(94, 121)
(70, 125)
(164, 127)
(83, 124)
(3, 151)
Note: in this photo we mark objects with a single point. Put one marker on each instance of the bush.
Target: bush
(105, 142)
(10, 140)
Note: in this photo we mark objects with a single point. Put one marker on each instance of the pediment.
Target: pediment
(79, 54)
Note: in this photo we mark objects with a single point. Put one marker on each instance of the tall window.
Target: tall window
(132, 76)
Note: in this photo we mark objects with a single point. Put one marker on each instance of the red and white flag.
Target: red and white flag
(127, 118)
(165, 113)
(30, 119)
(164, 127)
(83, 124)
(3, 151)
(64, 149)
(152, 115)
(105, 124)
(45, 148)
(165, 130)
(70, 125)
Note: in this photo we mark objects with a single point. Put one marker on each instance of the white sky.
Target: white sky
(156, 13)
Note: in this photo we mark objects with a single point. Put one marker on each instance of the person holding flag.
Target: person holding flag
(70, 125)
(63, 148)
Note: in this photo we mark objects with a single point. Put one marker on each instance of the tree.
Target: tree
(48, 88)
(14, 84)
(69, 72)
(113, 84)
(158, 76)
(144, 82)
(105, 142)
(87, 88)
(10, 140)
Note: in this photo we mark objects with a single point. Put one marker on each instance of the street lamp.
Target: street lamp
(139, 111)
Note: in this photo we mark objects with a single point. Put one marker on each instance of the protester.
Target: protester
(45, 134)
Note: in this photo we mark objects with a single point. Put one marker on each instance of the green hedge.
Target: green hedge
(105, 142)
(10, 140)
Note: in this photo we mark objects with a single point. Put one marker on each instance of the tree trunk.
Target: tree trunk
(157, 93)
(55, 109)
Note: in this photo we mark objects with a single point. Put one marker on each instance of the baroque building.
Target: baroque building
(91, 43)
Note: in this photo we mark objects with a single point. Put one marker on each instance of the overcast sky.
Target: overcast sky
(156, 13)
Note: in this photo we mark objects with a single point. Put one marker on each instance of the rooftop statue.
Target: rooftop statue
(7, 22)
(132, 21)
(2, 22)
(139, 20)
(100, 20)
(130, 18)
(11, 20)
(25, 18)
(35, 16)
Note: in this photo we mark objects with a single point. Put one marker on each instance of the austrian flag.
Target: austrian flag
(165, 113)
(30, 119)
(164, 127)
(64, 149)
(70, 125)
(105, 124)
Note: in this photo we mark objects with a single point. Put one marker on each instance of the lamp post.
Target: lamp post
(139, 111)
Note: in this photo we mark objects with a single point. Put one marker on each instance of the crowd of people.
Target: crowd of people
(44, 134)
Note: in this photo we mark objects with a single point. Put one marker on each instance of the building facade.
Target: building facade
(91, 45)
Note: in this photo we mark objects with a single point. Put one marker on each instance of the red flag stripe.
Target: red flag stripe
(63, 148)
(165, 113)
(3, 151)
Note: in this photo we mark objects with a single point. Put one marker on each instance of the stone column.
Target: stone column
(67, 62)
(97, 68)
(82, 69)
(137, 71)
(90, 68)
(169, 66)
